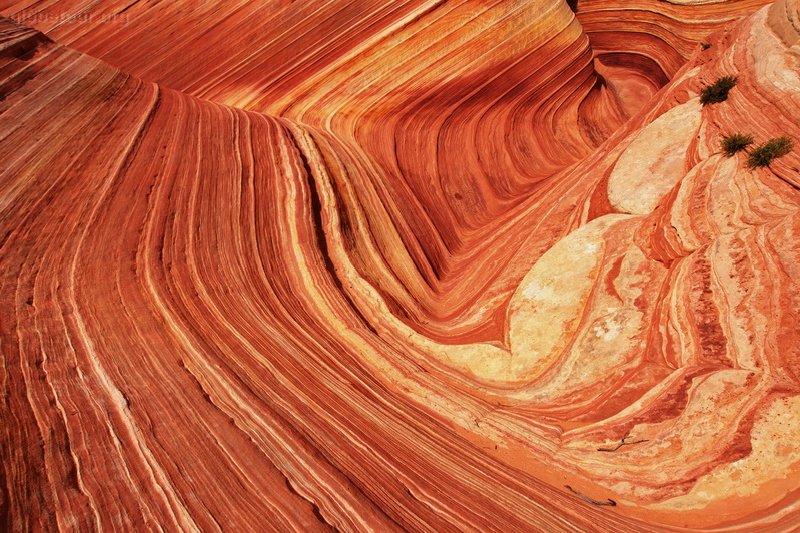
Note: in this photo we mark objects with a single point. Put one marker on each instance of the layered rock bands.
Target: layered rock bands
(398, 265)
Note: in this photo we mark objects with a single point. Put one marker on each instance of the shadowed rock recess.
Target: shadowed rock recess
(424, 265)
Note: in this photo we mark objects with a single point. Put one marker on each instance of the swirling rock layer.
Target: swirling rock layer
(398, 265)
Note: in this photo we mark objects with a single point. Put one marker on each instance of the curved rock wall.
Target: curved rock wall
(383, 297)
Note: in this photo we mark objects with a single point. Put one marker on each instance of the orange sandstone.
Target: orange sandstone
(412, 265)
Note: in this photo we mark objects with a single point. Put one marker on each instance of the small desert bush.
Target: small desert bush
(718, 91)
(735, 142)
(705, 46)
(764, 154)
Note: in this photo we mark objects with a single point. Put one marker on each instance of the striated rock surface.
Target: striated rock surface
(398, 265)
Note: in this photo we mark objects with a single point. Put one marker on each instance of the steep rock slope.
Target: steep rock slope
(448, 114)
(216, 309)
(166, 360)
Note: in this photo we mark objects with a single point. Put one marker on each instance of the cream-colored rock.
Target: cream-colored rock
(784, 19)
(545, 312)
(775, 459)
(655, 161)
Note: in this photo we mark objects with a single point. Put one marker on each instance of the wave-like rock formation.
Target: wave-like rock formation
(421, 265)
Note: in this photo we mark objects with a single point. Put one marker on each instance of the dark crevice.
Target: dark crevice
(322, 243)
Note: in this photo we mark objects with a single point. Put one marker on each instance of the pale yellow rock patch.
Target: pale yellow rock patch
(546, 309)
(655, 161)
(775, 455)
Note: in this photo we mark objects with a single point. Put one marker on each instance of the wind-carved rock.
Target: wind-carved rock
(398, 265)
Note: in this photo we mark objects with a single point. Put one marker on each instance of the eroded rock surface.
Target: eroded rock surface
(398, 265)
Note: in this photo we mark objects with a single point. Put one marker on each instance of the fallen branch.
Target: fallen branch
(623, 442)
(608, 503)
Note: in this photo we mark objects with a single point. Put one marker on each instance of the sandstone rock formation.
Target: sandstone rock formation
(423, 265)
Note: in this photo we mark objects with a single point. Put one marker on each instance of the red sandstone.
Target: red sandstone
(386, 265)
